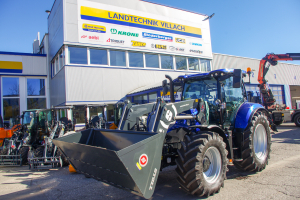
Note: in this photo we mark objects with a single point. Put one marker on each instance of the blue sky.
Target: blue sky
(241, 28)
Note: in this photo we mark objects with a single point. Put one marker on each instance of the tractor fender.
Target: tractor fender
(245, 114)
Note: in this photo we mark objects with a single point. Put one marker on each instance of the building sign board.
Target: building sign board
(11, 67)
(97, 22)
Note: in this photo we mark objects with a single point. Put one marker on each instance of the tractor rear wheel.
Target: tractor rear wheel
(297, 120)
(39, 152)
(202, 163)
(4, 151)
(24, 154)
(257, 145)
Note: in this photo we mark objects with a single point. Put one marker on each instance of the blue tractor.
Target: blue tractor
(213, 125)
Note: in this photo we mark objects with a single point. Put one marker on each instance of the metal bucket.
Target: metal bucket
(126, 159)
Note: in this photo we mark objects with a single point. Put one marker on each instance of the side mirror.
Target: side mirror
(165, 87)
(237, 78)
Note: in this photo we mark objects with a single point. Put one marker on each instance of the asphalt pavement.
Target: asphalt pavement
(280, 179)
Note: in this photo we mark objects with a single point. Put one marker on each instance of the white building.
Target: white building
(100, 51)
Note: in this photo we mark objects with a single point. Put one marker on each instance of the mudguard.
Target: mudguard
(245, 113)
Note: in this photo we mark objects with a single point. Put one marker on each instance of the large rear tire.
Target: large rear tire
(257, 145)
(202, 163)
(297, 120)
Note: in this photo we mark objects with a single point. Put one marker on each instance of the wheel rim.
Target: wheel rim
(213, 171)
(260, 142)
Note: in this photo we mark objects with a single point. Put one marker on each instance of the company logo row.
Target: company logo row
(102, 29)
(155, 46)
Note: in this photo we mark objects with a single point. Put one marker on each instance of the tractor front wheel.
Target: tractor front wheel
(257, 145)
(202, 163)
(24, 154)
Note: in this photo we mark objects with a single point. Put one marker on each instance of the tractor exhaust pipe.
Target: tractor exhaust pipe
(171, 88)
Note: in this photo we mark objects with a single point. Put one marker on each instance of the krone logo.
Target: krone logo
(169, 115)
(113, 31)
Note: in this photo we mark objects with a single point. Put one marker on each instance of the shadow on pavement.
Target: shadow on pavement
(292, 135)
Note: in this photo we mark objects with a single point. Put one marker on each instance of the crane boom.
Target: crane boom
(267, 95)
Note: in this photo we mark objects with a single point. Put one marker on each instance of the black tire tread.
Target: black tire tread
(297, 119)
(39, 152)
(189, 169)
(24, 154)
(249, 162)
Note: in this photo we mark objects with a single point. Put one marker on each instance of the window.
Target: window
(166, 61)
(278, 93)
(98, 56)
(96, 111)
(152, 97)
(152, 60)
(62, 59)
(117, 58)
(77, 55)
(35, 87)
(36, 103)
(110, 113)
(205, 65)
(79, 114)
(11, 108)
(194, 64)
(140, 99)
(36, 93)
(136, 59)
(180, 63)
(56, 65)
(10, 87)
(11, 97)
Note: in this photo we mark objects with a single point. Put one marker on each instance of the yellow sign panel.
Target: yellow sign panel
(138, 44)
(108, 16)
(11, 67)
(94, 28)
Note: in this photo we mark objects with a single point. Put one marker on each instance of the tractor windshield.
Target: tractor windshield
(212, 88)
(204, 88)
(207, 89)
(28, 118)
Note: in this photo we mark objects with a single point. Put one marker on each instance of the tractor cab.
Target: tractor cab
(35, 123)
(222, 91)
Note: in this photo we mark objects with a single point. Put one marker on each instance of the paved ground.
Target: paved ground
(280, 180)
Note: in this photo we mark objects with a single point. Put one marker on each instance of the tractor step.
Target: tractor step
(10, 160)
(44, 162)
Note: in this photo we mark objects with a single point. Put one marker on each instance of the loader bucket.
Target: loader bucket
(126, 159)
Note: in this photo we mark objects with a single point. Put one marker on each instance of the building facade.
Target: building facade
(24, 83)
(101, 50)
